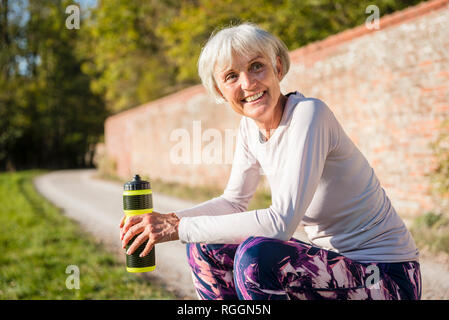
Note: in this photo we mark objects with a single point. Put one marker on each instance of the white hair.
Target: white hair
(245, 39)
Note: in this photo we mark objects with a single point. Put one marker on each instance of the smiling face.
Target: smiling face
(251, 86)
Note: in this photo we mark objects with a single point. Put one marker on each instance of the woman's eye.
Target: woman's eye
(230, 76)
(256, 66)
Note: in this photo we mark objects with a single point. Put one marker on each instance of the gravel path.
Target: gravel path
(97, 206)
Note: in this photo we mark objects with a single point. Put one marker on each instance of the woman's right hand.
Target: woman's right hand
(154, 227)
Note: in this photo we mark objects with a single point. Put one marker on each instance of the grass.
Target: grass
(431, 231)
(39, 244)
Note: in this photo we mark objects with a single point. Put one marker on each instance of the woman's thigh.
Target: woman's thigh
(267, 268)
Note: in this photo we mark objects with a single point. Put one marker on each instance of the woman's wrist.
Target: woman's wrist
(175, 221)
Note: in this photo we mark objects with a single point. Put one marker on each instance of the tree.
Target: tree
(51, 117)
(296, 22)
(128, 61)
(12, 121)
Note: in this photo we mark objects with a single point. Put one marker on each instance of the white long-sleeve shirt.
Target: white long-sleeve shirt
(316, 174)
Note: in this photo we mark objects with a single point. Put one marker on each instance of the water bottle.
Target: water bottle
(137, 199)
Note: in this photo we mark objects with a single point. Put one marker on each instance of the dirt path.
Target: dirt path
(97, 205)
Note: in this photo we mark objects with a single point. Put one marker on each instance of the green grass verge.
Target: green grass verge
(39, 244)
(431, 231)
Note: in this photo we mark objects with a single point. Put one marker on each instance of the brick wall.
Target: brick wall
(389, 88)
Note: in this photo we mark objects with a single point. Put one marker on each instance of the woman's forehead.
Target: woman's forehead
(236, 61)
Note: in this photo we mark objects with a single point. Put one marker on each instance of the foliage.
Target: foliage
(430, 219)
(296, 22)
(440, 176)
(431, 230)
(49, 116)
(142, 50)
(126, 54)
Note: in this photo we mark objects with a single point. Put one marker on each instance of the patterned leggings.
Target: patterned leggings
(263, 269)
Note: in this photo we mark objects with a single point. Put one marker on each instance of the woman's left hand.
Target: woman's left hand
(154, 227)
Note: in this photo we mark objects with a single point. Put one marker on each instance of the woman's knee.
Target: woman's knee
(255, 251)
(266, 253)
(256, 267)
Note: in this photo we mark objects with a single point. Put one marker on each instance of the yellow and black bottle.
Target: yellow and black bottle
(137, 199)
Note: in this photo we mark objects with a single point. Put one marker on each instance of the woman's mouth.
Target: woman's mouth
(255, 97)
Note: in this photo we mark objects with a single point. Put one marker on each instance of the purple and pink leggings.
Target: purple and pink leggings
(262, 269)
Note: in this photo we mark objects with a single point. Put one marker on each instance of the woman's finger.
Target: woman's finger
(122, 222)
(130, 222)
(137, 242)
(147, 249)
(134, 230)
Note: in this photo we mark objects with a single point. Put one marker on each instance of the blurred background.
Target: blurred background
(58, 85)
(105, 84)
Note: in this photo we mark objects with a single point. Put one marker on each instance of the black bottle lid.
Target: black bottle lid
(137, 184)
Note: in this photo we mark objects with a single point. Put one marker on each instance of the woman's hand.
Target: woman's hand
(154, 227)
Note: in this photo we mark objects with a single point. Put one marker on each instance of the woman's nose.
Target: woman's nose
(246, 81)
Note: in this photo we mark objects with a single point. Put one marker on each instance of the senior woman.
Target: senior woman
(360, 248)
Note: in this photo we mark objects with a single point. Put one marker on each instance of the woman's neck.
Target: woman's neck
(267, 128)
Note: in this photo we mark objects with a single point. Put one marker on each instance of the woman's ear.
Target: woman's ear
(279, 68)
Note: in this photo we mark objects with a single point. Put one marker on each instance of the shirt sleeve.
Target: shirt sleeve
(296, 180)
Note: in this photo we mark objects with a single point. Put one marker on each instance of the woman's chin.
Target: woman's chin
(254, 111)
